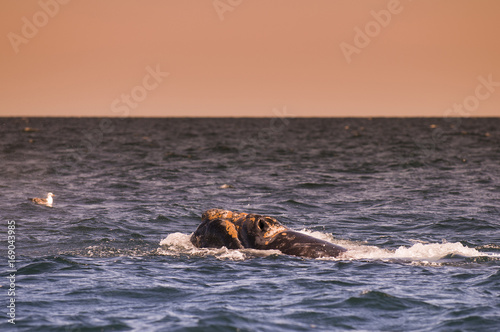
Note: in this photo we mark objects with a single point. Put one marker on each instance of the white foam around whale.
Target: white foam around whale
(178, 243)
(421, 253)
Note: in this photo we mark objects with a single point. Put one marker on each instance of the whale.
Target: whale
(237, 230)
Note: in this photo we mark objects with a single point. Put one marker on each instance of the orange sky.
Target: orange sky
(248, 57)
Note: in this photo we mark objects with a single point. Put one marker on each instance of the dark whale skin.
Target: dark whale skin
(223, 228)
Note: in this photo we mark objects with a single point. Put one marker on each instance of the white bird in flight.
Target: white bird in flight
(44, 201)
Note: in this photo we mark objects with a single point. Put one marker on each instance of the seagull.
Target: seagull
(44, 201)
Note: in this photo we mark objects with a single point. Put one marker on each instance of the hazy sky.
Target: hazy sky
(250, 58)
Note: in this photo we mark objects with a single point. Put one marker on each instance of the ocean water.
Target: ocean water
(415, 202)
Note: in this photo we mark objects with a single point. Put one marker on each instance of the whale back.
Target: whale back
(233, 230)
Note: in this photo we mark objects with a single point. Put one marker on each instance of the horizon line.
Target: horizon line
(246, 117)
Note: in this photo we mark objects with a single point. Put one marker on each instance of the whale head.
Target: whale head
(224, 228)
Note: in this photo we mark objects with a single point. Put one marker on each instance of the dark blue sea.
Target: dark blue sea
(415, 201)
